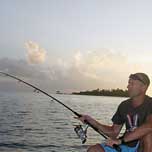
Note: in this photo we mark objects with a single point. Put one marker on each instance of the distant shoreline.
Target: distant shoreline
(112, 93)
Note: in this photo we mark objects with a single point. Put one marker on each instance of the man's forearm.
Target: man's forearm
(138, 132)
(107, 130)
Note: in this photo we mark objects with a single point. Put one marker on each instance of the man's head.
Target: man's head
(138, 84)
(142, 77)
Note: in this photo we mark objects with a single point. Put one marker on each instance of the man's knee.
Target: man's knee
(146, 143)
(95, 148)
(147, 139)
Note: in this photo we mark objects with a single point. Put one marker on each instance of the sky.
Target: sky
(76, 45)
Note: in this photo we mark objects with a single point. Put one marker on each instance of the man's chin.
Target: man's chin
(133, 95)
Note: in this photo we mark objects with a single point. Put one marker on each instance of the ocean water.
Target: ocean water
(33, 122)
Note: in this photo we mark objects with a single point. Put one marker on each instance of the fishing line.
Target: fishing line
(81, 132)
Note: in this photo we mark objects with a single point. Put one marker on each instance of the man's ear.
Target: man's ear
(144, 87)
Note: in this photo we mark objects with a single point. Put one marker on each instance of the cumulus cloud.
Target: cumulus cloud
(35, 54)
(101, 68)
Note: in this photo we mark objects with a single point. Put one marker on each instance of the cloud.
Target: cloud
(101, 68)
(21, 68)
(35, 54)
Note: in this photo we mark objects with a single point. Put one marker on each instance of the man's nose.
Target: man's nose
(128, 86)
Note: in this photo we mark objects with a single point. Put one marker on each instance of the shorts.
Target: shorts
(124, 148)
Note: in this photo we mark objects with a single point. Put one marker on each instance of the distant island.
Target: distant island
(97, 92)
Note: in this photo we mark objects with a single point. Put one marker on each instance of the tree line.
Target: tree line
(104, 92)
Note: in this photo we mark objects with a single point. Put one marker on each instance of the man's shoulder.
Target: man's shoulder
(125, 102)
(148, 100)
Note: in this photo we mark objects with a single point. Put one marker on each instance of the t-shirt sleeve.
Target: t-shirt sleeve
(118, 116)
(151, 108)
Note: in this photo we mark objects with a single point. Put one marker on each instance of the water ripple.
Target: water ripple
(30, 122)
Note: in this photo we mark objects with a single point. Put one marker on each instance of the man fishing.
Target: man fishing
(135, 113)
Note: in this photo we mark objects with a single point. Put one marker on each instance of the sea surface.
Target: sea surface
(33, 122)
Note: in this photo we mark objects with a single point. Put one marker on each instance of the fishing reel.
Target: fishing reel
(81, 132)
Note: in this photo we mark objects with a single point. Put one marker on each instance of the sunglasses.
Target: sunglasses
(136, 77)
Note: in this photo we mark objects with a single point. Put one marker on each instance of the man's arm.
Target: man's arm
(141, 131)
(138, 133)
(110, 131)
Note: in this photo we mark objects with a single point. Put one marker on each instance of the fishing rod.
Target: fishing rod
(81, 132)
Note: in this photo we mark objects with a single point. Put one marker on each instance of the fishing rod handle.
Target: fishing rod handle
(96, 129)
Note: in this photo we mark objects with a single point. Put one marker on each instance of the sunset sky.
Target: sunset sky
(73, 45)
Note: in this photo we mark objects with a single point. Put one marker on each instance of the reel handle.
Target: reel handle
(81, 132)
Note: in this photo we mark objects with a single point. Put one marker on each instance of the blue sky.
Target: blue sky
(92, 40)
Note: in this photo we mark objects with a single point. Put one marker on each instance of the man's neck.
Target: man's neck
(137, 101)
